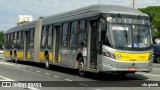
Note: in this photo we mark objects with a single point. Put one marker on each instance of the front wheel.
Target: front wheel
(81, 71)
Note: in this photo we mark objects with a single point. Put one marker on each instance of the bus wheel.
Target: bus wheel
(81, 67)
(46, 61)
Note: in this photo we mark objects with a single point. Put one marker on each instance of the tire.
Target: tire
(81, 71)
(158, 59)
(47, 61)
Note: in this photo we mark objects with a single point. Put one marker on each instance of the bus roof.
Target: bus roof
(84, 12)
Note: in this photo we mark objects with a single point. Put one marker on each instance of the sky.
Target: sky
(11, 9)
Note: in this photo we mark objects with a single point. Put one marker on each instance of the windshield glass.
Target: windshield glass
(129, 33)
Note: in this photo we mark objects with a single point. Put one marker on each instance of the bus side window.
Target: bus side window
(31, 37)
(50, 37)
(22, 38)
(64, 35)
(43, 37)
(73, 36)
(82, 33)
(15, 37)
(104, 34)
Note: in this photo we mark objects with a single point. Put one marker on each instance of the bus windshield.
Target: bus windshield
(128, 33)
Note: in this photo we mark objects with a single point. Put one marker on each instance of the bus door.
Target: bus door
(26, 44)
(57, 42)
(93, 43)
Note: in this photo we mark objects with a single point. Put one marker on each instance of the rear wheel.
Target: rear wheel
(81, 71)
(46, 61)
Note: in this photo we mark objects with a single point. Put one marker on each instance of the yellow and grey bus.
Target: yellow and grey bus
(96, 38)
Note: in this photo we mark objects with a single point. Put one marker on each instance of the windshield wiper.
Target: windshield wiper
(126, 36)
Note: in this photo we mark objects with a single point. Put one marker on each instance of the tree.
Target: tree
(1, 39)
(153, 12)
(22, 22)
(40, 17)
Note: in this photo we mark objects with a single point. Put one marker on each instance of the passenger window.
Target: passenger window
(73, 36)
(50, 37)
(44, 36)
(82, 34)
(65, 35)
(31, 37)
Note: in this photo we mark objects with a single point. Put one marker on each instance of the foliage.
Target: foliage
(154, 13)
(41, 17)
(22, 22)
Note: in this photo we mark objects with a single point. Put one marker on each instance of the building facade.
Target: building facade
(25, 18)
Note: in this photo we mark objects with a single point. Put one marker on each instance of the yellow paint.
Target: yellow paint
(6, 54)
(50, 56)
(20, 54)
(132, 56)
(28, 55)
(59, 57)
(41, 55)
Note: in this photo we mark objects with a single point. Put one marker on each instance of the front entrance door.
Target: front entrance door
(93, 44)
(57, 42)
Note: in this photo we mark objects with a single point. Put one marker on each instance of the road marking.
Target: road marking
(33, 88)
(83, 84)
(5, 79)
(98, 89)
(8, 79)
(7, 63)
(156, 68)
(38, 71)
(47, 73)
(149, 74)
(18, 66)
(56, 76)
(68, 79)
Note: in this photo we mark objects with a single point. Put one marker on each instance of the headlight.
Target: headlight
(151, 56)
(108, 54)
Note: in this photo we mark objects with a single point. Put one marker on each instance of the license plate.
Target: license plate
(132, 68)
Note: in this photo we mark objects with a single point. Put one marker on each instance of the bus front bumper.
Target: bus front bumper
(109, 64)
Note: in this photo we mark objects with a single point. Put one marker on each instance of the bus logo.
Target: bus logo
(118, 55)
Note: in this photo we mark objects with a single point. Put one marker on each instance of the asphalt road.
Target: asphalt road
(67, 79)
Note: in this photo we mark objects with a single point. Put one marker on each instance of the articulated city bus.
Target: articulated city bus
(97, 38)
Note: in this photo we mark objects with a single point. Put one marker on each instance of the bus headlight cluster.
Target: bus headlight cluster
(108, 54)
(151, 56)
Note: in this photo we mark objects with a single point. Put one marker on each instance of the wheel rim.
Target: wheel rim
(81, 66)
(47, 63)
